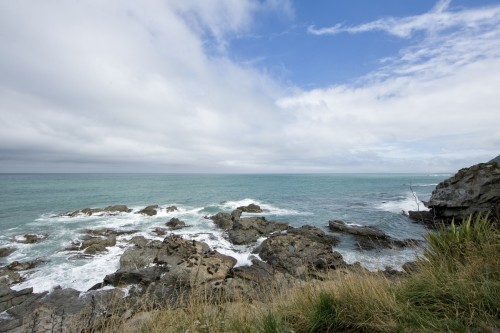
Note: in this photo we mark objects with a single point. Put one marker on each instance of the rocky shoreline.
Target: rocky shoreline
(160, 273)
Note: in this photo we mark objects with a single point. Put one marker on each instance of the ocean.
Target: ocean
(32, 203)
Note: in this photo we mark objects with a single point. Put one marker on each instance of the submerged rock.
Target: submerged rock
(370, 238)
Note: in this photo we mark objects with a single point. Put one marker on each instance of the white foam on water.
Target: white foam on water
(379, 260)
(77, 274)
(267, 208)
(403, 205)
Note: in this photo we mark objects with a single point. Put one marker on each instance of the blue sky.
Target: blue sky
(249, 85)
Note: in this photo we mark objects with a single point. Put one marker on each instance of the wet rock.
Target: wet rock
(471, 190)
(174, 260)
(248, 230)
(149, 210)
(108, 232)
(315, 234)
(139, 241)
(17, 266)
(95, 245)
(175, 224)
(171, 209)
(160, 231)
(370, 238)
(74, 246)
(109, 210)
(299, 255)
(259, 271)
(354, 229)
(6, 251)
(223, 220)
(143, 276)
(251, 208)
(9, 277)
(31, 238)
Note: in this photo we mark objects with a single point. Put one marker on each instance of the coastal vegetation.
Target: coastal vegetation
(454, 287)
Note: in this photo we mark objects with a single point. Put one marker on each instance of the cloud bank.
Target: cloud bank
(119, 86)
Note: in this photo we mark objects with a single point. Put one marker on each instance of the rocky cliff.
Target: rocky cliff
(470, 191)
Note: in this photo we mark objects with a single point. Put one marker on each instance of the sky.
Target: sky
(248, 86)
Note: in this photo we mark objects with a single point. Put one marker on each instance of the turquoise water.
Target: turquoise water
(30, 203)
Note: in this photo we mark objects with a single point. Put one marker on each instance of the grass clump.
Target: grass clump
(458, 287)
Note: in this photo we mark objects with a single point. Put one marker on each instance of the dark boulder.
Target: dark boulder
(248, 230)
(370, 238)
(471, 190)
(6, 251)
(315, 234)
(32, 238)
(223, 220)
(251, 208)
(300, 255)
(95, 245)
(175, 224)
(149, 210)
(25, 265)
(171, 209)
(259, 271)
(160, 231)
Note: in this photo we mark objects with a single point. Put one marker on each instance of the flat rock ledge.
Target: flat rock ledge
(370, 238)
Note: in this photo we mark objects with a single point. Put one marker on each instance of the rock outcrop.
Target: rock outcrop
(251, 208)
(301, 253)
(246, 230)
(174, 261)
(175, 224)
(470, 191)
(6, 251)
(149, 210)
(31, 238)
(109, 210)
(370, 238)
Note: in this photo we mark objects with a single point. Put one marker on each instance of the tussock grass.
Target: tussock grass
(455, 289)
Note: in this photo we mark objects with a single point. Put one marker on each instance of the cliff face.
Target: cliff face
(471, 190)
(495, 160)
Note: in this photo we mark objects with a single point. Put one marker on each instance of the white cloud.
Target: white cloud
(128, 86)
(435, 103)
(436, 20)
